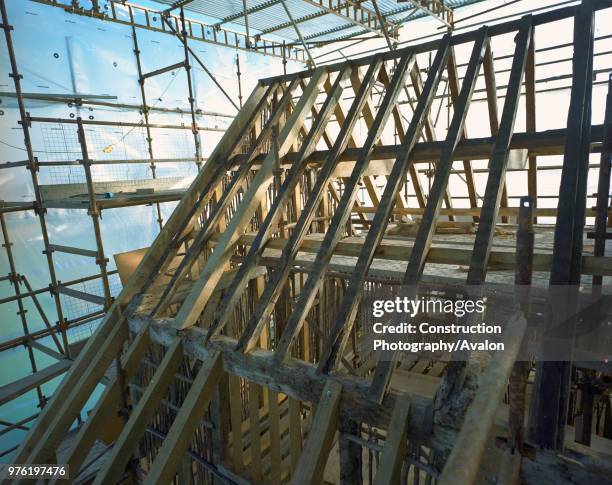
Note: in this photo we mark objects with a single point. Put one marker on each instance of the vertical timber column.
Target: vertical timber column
(530, 97)
(33, 168)
(603, 188)
(522, 280)
(551, 392)
(351, 462)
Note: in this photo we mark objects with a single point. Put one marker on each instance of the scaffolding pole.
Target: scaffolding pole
(33, 168)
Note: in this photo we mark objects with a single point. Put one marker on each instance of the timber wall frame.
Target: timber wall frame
(243, 202)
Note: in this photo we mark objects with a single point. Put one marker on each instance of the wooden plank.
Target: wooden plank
(491, 89)
(422, 243)
(345, 318)
(81, 295)
(342, 213)
(106, 409)
(310, 468)
(273, 288)
(507, 211)
(191, 413)
(394, 449)
(368, 116)
(114, 466)
(74, 399)
(72, 250)
(603, 187)
(542, 143)
(101, 348)
(430, 135)
(265, 230)
(212, 270)
(394, 250)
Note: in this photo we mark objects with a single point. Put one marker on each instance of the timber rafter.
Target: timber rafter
(245, 306)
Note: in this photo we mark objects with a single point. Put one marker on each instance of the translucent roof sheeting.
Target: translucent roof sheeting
(315, 21)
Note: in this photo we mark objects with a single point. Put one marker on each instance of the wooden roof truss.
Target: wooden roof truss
(227, 310)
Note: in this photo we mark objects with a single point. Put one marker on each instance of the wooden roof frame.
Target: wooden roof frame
(211, 221)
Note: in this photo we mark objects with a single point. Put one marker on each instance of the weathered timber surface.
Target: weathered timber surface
(299, 380)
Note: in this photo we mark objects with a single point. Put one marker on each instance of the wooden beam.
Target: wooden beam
(507, 211)
(530, 112)
(299, 380)
(312, 462)
(19, 387)
(114, 465)
(394, 449)
(273, 288)
(491, 89)
(275, 437)
(343, 323)
(288, 187)
(107, 409)
(453, 85)
(427, 226)
(351, 453)
(553, 378)
(543, 143)
(396, 250)
(256, 472)
(422, 243)
(219, 209)
(493, 193)
(211, 273)
(603, 187)
(342, 213)
(464, 461)
(430, 135)
(57, 416)
(499, 161)
(191, 413)
(235, 405)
